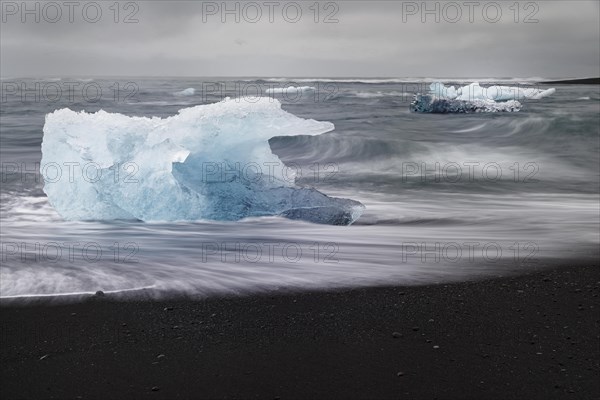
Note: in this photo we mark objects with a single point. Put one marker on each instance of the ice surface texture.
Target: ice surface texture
(474, 98)
(207, 162)
(496, 93)
(425, 103)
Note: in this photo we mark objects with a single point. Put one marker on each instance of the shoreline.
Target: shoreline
(582, 81)
(529, 336)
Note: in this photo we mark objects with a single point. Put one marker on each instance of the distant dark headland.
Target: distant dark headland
(584, 81)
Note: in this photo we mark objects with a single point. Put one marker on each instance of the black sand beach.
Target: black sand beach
(530, 337)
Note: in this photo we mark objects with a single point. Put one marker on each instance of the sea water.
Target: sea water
(447, 197)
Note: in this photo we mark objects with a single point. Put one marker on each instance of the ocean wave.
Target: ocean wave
(22, 209)
(524, 81)
(204, 259)
(290, 90)
(374, 95)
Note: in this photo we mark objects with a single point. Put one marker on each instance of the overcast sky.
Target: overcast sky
(369, 39)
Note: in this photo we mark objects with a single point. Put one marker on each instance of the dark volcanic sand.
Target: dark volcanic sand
(528, 337)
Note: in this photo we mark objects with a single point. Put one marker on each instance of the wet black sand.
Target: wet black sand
(529, 337)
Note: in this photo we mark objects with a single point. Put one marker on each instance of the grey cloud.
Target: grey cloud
(370, 39)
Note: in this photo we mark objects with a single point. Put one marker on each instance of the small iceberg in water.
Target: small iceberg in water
(474, 98)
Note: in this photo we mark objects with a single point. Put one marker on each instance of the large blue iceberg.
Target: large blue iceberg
(474, 98)
(207, 162)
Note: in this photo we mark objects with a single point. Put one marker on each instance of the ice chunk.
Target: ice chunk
(438, 89)
(207, 162)
(424, 103)
(186, 92)
(474, 98)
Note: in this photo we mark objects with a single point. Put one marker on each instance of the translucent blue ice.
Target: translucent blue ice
(207, 162)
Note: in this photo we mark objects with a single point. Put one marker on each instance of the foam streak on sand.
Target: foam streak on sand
(75, 294)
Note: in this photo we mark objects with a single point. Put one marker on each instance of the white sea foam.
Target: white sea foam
(186, 92)
(290, 90)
